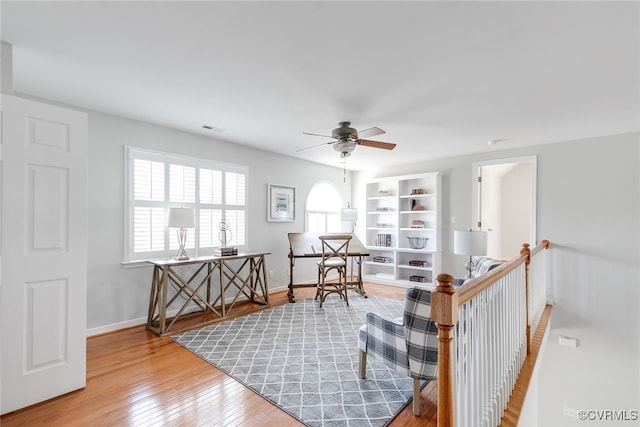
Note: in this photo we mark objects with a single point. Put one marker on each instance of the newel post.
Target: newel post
(444, 311)
(525, 251)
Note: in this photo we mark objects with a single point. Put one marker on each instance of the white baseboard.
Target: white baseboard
(115, 326)
(143, 320)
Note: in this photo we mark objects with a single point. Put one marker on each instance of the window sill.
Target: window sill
(135, 264)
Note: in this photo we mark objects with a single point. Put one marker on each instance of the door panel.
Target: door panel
(46, 311)
(44, 251)
(48, 202)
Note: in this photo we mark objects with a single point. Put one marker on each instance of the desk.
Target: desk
(242, 274)
(308, 245)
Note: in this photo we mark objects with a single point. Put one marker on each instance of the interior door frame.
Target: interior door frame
(475, 193)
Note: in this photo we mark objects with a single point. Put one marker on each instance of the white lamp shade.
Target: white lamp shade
(470, 242)
(348, 214)
(181, 218)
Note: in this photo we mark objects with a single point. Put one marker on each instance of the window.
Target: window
(322, 210)
(157, 181)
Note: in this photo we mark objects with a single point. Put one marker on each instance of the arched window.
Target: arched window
(322, 210)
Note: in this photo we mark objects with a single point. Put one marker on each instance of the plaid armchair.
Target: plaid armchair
(408, 344)
(484, 264)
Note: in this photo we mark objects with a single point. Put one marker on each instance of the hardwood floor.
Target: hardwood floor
(136, 378)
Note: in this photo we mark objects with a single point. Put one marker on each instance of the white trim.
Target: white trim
(533, 159)
(115, 326)
(135, 264)
(133, 153)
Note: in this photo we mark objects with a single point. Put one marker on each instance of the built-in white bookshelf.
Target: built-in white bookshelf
(403, 229)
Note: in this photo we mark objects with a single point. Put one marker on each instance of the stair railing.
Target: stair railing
(484, 334)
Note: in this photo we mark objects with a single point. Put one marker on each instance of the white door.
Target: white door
(505, 204)
(44, 251)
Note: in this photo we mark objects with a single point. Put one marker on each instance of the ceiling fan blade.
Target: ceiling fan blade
(314, 146)
(370, 132)
(317, 134)
(377, 144)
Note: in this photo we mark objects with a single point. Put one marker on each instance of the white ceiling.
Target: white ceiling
(442, 78)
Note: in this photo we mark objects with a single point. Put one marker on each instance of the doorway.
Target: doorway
(504, 204)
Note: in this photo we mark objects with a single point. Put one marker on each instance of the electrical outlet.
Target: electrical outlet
(570, 412)
(568, 341)
(271, 275)
(453, 220)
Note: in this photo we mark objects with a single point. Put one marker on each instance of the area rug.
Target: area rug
(304, 359)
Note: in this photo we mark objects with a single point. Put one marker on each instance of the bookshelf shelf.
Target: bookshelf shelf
(409, 208)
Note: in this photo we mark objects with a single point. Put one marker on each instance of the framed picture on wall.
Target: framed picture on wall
(281, 203)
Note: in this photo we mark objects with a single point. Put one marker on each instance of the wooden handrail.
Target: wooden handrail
(444, 311)
(472, 288)
(542, 245)
(445, 303)
(526, 252)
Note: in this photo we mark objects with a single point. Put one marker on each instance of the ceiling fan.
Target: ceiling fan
(346, 138)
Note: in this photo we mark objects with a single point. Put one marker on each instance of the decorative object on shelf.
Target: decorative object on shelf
(225, 236)
(469, 243)
(417, 223)
(418, 191)
(225, 251)
(417, 242)
(383, 240)
(384, 193)
(415, 206)
(384, 209)
(419, 279)
(281, 203)
(419, 263)
(182, 219)
(382, 259)
(384, 225)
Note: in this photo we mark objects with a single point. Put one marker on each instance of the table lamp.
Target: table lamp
(471, 243)
(181, 218)
(349, 214)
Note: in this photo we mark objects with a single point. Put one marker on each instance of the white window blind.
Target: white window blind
(158, 181)
(182, 183)
(149, 226)
(149, 183)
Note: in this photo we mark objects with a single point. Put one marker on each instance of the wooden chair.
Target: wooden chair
(334, 257)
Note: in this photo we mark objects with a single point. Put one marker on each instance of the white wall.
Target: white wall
(492, 209)
(119, 296)
(588, 207)
(589, 197)
(516, 210)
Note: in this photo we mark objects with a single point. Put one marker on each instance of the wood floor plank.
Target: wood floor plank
(136, 378)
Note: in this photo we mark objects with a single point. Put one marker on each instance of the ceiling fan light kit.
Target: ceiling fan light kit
(346, 139)
(344, 147)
